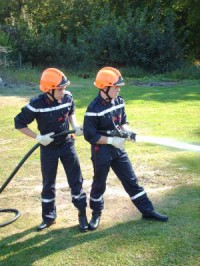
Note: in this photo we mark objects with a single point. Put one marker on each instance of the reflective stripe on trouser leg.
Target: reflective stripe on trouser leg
(124, 171)
(79, 200)
(97, 205)
(70, 161)
(49, 164)
(49, 212)
(142, 202)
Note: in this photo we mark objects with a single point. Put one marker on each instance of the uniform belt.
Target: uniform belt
(56, 144)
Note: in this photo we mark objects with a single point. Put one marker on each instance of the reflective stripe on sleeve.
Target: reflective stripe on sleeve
(105, 111)
(45, 110)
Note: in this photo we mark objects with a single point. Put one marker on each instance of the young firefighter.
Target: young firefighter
(106, 113)
(53, 111)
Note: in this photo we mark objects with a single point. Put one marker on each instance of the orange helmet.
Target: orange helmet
(53, 79)
(108, 77)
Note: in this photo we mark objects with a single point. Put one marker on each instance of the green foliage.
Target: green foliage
(185, 72)
(5, 50)
(25, 75)
(4, 39)
(187, 24)
(133, 72)
(88, 34)
(133, 41)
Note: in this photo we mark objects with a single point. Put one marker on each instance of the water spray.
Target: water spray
(168, 142)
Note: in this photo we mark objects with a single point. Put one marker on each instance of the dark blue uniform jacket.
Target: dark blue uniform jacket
(50, 116)
(103, 115)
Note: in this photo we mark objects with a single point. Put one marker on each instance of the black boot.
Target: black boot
(94, 222)
(44, 225)
(82, 218)
(153, 215)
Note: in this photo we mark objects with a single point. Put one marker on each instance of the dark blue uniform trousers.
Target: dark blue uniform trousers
(50, 156)
(104, 157)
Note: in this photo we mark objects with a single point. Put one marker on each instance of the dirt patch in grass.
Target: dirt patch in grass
(118, 206)
(12, 100)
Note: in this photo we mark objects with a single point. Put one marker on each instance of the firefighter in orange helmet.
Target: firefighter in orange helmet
(105, 115)
(54, 112)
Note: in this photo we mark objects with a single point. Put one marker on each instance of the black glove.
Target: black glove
(131, 135)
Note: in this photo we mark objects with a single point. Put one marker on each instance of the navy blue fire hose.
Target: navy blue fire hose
(15, 211)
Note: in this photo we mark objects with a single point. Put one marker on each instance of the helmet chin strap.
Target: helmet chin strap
(107, 94)
(52, 95)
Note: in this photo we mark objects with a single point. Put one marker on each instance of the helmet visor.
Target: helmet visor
(64, 82)
(120, 82)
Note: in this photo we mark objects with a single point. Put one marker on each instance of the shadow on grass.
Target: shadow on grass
(168, 243)
(189, 163)
(197, 132)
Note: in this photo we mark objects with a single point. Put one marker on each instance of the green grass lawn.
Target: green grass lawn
(170, 176)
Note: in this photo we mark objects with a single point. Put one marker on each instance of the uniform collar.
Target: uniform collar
(49, 101)
(104, 102)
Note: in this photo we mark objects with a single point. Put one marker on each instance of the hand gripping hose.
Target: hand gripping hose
(16, 212)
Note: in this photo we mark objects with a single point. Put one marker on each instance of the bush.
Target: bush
(187, 71)
(133, 72)
(5, 50)
(133, 42)
(137, 40)
(26, 75)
